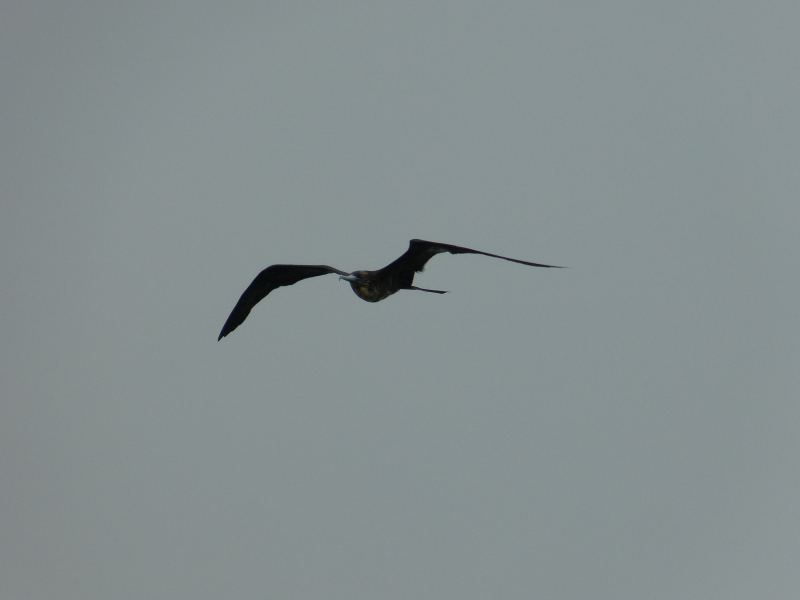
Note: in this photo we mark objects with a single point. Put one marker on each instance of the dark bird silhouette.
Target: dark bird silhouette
(372, 286)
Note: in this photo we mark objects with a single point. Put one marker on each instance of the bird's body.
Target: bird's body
(369, 286)
(372, 286)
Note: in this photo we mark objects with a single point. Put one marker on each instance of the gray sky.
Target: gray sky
(627, 428)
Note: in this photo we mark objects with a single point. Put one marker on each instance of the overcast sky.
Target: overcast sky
(627, 428)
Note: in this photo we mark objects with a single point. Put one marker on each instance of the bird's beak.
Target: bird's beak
(348, 278)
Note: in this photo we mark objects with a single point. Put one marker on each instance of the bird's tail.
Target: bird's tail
(413, 287)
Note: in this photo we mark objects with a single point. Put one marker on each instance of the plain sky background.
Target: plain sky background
(628, 428)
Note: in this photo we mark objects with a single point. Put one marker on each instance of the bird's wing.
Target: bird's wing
(420, 252)
(269, 279)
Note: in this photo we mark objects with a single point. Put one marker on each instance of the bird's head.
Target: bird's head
(354, 277)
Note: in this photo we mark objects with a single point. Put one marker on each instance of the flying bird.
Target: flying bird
(372, 286)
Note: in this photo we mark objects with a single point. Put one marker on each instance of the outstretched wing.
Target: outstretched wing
(420, 252)
(269, 279)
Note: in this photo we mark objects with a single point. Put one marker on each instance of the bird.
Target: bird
(372, 286)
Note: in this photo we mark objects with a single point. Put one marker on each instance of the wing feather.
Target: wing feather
(270, 279)
(420, 252)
